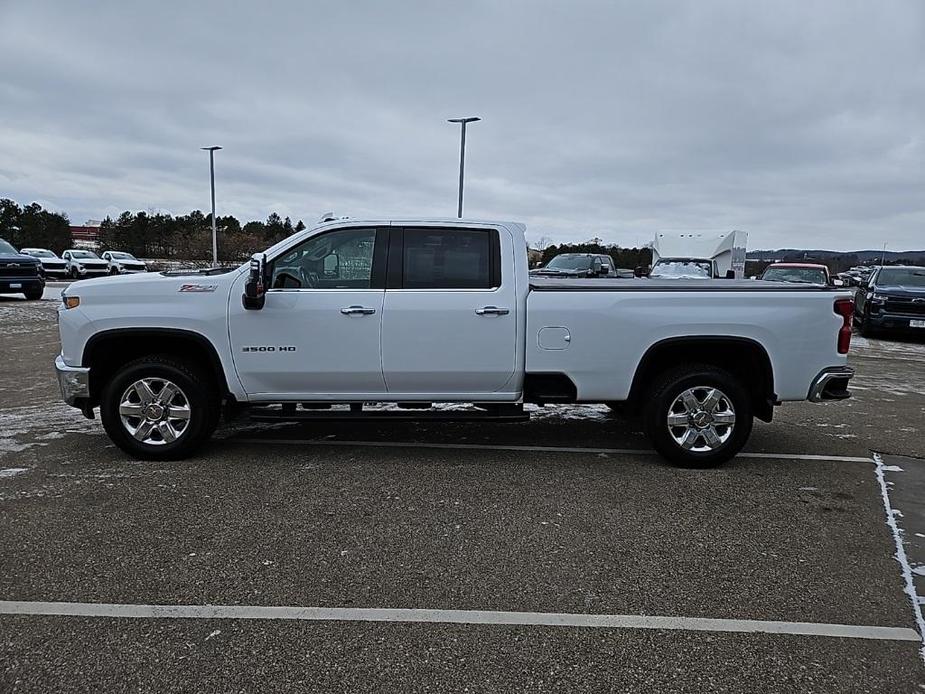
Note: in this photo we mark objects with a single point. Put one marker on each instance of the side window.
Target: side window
(335, 260)
(450, 259)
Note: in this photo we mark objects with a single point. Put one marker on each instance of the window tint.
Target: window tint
(336, 260)
(449, 259)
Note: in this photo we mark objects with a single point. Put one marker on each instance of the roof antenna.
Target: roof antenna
(327, 217)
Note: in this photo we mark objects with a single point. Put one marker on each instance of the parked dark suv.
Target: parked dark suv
(20, 274)
(577, 265)
(892, 299)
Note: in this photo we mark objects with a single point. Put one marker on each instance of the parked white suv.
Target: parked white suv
(81, 264)
(52, 265)
(434, 311)
(121, 263)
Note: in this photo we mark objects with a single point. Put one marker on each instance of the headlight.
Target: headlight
(79, 266)
(70, 301)
(878, 297)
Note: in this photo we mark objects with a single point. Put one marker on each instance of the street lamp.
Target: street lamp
(462, 155)
(211, 151)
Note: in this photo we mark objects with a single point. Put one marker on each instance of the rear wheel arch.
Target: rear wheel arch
(107, 351)
(743, 358)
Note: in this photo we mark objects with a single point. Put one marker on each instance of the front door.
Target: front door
(449, 321)
(317, 335)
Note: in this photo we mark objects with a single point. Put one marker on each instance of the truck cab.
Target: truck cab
(699, 255)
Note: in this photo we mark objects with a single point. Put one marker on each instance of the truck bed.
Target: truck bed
(543, 284)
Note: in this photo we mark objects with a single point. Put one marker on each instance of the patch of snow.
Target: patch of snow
(25, 427)
(12, 471)
(892, 468)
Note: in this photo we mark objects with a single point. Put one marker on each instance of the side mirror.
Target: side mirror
(255, 289)
(641, 271)
(730, 274)
(605, 270)
(838, 283)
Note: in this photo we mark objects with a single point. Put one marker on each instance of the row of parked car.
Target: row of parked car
(26, 270)
(78, 264)
(887, 299)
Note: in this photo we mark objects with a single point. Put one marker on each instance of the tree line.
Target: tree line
(147, 235)
(33, 226)
(189, 237)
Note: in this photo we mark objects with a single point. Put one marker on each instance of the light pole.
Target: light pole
(462, 155)
(211, 151)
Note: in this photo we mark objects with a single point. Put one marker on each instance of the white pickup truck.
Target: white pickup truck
(423, 312)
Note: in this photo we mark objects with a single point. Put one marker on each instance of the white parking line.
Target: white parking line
(539, 449)
(477, 617)
(908, 583)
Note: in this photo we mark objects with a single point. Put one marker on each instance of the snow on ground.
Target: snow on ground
(22, 428)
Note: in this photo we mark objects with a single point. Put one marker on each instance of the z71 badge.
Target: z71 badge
(268, 348)
(197, 288)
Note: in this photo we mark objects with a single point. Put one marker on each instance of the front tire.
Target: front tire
(113, 271)
(34, 294)
(159, 408)
(698, 416)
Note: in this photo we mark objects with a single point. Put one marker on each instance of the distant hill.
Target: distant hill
(862, 257)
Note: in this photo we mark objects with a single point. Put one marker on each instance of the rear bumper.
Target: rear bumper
(74, 382)
(831, 384)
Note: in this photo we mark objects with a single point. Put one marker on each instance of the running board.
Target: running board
(389, 415)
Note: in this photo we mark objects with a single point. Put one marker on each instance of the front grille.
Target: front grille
(909, 306)
(16, 270)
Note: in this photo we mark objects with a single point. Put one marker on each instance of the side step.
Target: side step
(286, 414)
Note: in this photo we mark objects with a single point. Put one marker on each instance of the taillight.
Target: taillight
(845, 309)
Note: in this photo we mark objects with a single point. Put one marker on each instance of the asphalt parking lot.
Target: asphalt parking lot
(553, 555)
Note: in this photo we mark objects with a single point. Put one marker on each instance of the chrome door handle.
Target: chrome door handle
(361, 310)
(492, 311)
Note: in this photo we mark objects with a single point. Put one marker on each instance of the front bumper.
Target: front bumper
(881, 320)
(13, 285)
(831, 384)
(74, 382)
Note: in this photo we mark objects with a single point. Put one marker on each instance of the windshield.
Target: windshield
(39, 253)
(118, 255)
(6, 248)
(906, 277)
(686, 269)
(570, 262)
(802, 275)
(84, 254)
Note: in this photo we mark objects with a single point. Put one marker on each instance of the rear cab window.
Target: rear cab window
(426, 258)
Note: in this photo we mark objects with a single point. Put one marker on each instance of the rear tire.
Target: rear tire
(150, 422)
(698, 416)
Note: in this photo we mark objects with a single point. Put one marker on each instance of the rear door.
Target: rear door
(449, 322)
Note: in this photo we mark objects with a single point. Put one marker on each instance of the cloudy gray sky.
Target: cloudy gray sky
(802, 122)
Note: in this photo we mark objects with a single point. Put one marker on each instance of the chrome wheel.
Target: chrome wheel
(154, 411)
(701, 419)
